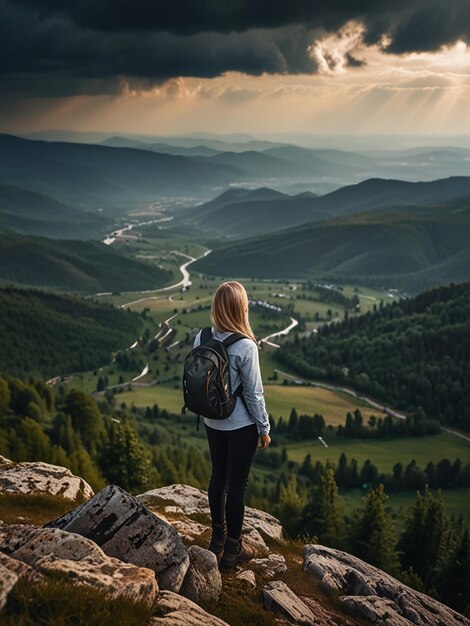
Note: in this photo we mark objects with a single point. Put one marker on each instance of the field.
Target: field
(385, 453)
(279, 401)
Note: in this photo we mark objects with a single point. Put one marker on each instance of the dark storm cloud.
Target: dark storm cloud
(61, 47)
(435, 24)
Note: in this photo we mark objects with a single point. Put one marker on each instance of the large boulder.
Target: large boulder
(125, 529)
(280, 599)
(36, 478)
(186, 500)
(175, 610)
(36, 553)
(373, 594)
(39, 544)
(111, 575)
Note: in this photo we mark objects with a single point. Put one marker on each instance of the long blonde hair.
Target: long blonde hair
(229, 311)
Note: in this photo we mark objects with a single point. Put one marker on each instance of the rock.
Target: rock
(175, 610)
(377, 610)
(249, 576)
(8, 579)
(179, 498)
(35, 552)
(52, 543)
(111, 575)
(22, 570)
(13, 536)
(127, 530)
(202, 581)
(187, 528)
(324, 615)
(33, 478)
(366, 585)
(252, 537)
(280, 599)
(271, 565)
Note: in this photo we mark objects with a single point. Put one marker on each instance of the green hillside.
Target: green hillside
(411, 353)
(48, 335)
(408, 247)
(31, 213)
(81, 266)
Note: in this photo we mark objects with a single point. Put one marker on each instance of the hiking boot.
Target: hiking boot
(235, 552)
(217, 542)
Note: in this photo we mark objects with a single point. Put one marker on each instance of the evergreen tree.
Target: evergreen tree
(125, 460)
(323, 515)
(421, 543)
(373, 535)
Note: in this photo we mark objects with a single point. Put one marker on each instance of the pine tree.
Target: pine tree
(421, 543)
(373, 534)
(125, 460)
(323, 515)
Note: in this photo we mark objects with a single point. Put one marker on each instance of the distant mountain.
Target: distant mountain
(124, 142)
(74, 266)
(379, 193)
(410, 247)
(321, 160)
(47, 334)
(241, 212)
(32, 213)
(98, 176)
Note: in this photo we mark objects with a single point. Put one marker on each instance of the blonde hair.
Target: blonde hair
(229, 311)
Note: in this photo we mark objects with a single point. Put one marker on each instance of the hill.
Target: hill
(32, 213)
(98, 176)
(413, 353)
(71, 265)
(242, 212)
(410, 247)
(48, 334)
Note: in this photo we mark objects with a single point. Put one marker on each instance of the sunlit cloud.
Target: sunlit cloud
(333, 52)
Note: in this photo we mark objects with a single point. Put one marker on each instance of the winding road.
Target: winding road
(184, 282)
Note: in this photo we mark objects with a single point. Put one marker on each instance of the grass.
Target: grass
(279, 401)
(310, 400)
(36, 509)
(385, 453)
(61, 603)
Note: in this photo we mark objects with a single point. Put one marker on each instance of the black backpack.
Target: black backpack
(206, 378)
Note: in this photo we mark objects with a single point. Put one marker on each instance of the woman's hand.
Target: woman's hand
(263, 441)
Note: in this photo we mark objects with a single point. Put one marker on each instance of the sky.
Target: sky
(255, 66)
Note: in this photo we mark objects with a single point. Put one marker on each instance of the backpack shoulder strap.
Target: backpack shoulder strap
(206, 335)
(234, 337)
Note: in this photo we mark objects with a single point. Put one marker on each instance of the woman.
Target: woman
(233, 441)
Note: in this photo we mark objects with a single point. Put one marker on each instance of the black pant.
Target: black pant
(232, 453)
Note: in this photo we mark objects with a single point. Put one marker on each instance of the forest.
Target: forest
(410, 353)
(49, 335)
